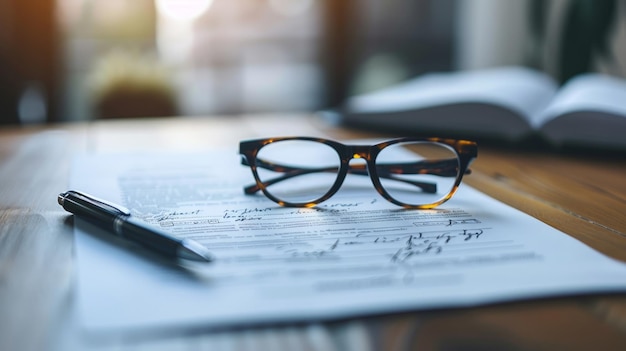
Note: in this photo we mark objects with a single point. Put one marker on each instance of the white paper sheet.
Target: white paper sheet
(355, 254)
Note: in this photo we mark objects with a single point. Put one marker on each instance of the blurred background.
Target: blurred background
(71, 60)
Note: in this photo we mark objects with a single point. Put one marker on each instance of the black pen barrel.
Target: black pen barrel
(122, 225)
(86, 211)
(118, 220)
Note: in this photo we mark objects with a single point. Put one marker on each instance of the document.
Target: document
(353, 255)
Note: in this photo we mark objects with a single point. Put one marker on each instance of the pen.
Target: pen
(118, 220)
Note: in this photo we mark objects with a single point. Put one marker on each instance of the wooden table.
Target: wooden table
(582, 195)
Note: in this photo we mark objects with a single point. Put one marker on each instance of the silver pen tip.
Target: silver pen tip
(193, 251)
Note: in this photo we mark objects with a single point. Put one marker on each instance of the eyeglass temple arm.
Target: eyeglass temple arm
(445, 168)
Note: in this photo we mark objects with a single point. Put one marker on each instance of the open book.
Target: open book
(508, 103)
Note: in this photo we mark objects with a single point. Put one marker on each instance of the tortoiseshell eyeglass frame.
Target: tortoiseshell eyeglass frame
(466, 151)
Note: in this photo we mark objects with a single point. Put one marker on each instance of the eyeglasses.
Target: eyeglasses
(410, 172)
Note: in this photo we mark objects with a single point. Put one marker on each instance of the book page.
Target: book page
(588, 110)
(354, 255)
(499, 102)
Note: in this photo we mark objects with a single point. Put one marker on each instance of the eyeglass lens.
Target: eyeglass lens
(413, 173)
(417, 173)
(310, 169)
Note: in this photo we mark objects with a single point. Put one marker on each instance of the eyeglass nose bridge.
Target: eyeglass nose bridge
(360, 152)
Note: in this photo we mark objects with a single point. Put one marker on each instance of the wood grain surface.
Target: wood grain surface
(583, 195)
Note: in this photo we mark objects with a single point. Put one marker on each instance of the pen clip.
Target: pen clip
(103, 203)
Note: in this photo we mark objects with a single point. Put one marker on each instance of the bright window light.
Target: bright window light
(184, 10)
